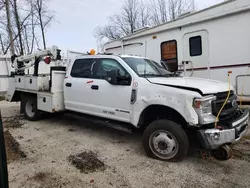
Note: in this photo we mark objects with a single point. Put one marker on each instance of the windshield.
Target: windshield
(146, 67)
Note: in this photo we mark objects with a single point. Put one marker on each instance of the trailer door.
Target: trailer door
(196, 52)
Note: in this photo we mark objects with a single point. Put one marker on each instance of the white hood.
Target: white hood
(206, 86)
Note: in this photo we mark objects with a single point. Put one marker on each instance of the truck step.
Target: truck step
(120, 126)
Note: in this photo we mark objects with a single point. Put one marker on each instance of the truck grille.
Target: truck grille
(229, 109)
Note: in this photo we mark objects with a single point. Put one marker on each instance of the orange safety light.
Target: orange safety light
(92, 52)
(230, 72)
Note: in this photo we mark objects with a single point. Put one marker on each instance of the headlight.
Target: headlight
(203, 107)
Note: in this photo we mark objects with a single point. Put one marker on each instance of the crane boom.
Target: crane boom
(25, 61)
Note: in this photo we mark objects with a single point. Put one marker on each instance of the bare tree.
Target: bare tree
(178, 7)
(166, 10)
(2, 45)
(22, 24)
(159, 11)
(26, 39)
(30, 27)
(33, 25)
(44, 18)
(18, 26)
(132, 16)
(107, 31)
(144, 14)
(2, 4)
(9, 26)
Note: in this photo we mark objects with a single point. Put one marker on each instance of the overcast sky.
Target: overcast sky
(75, 21)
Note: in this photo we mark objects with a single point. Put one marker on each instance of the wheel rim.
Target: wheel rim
(29, 108)
(163, 144)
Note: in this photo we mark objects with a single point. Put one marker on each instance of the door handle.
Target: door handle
(94, 87)
(68, 84)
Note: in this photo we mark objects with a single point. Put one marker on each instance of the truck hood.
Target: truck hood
(200, 85)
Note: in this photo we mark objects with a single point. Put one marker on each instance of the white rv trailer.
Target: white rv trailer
(213, 41)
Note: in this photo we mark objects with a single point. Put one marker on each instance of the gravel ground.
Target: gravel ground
(49, 143)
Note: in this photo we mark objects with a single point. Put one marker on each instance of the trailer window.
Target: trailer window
(195, 46)
(169, 54)
(82, 68)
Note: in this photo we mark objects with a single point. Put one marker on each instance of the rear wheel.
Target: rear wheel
(165, 140)
(30, 108)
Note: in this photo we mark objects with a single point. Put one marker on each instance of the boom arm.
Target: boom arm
(35, 58)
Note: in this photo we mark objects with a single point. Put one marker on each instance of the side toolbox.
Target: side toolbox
(40, 83)
(19, 82)
(49, 102)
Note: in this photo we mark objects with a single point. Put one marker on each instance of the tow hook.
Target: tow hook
(223, 153)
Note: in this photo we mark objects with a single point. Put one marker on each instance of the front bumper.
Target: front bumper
(214, 138)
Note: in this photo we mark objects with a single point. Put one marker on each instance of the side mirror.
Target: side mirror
(172, 65)
(164, 65)
(113, 76)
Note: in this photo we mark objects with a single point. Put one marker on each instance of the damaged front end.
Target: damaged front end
(232, 126)
(225, 133)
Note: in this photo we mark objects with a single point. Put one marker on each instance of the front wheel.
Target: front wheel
(165, 140)
(30, 109)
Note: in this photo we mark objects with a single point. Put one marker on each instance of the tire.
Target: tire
(30, 108)
(166, 141)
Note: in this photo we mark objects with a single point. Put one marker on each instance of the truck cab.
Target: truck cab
(140, 93)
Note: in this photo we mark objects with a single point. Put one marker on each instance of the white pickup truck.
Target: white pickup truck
(136, 92)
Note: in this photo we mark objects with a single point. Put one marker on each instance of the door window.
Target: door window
(195, 46)
(82, 68)
(110, 64)
(106, 65)
(169, 54)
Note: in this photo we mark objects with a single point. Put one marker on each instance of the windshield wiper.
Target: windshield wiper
(157, 75)
(153, 75)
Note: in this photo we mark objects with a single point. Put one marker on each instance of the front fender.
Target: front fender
(179, 102)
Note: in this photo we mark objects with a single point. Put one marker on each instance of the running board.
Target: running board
(103, 122)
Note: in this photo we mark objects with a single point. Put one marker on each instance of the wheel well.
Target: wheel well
(156, 112)
(16, 97)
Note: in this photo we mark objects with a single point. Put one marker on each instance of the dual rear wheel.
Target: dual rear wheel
(30, 108)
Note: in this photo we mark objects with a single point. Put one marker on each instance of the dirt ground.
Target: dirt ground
(54, 147)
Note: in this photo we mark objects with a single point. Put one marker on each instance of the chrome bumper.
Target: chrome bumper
(214, 138)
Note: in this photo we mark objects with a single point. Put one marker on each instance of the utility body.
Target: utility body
(133, 92)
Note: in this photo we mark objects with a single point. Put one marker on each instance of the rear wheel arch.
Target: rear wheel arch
(23, 97)
(158, 112)
(29, 106)
(17, 96)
